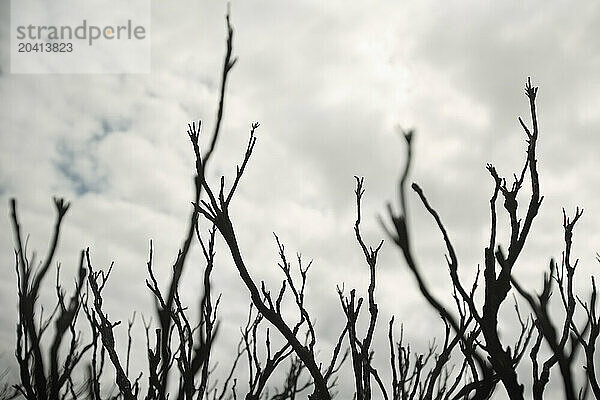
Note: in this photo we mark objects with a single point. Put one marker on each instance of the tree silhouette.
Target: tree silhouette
(471, 362)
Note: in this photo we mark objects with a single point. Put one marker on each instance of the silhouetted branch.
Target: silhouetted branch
(360, 349)
(164, 313)
(497, 283)
(216, 210)
(35, 382)
(401, 237)
(555, 338)
(589, 343)
(97, 281)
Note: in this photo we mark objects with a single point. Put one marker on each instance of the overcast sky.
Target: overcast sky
(330, 82)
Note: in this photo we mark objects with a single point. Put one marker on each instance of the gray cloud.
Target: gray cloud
(329, 84)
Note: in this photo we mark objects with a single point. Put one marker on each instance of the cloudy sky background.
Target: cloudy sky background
(329, 82)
